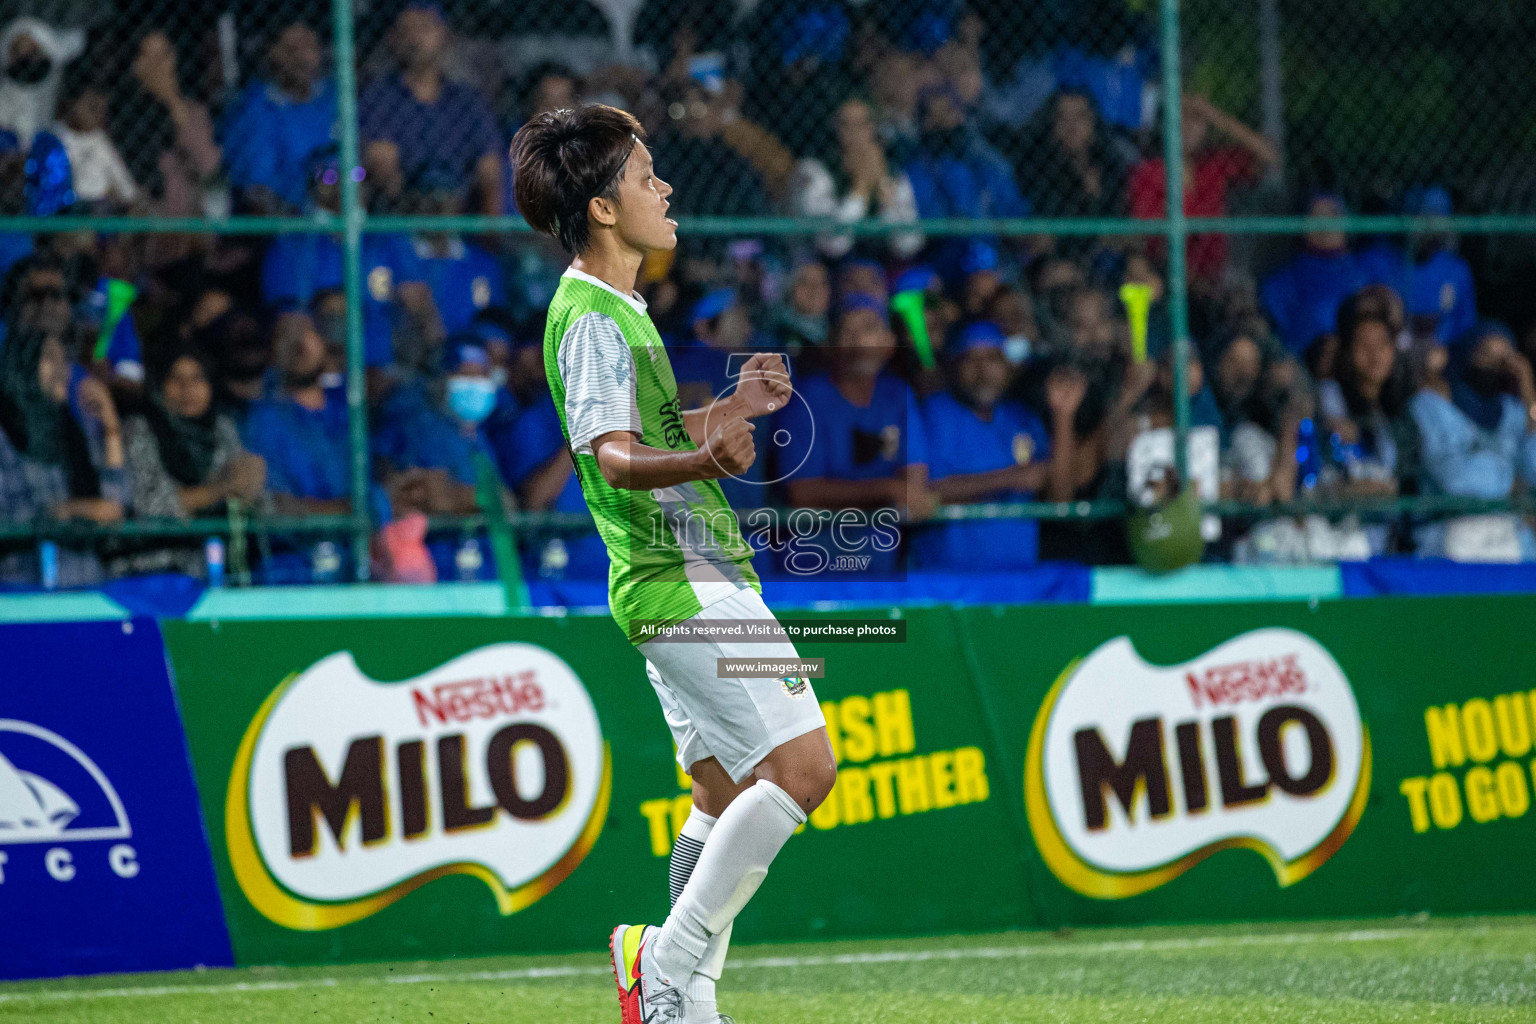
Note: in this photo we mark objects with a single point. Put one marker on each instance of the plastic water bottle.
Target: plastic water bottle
(213, 554)
(48, 564)
(468, 560)
(553, 559)
(325, 562)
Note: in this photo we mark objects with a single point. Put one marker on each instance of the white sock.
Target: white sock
(701, 983)
(735, 860)
(685, 857)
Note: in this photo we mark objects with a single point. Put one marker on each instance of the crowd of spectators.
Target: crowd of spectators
(188, 375)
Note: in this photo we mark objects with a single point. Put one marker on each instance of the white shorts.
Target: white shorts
(735, 721)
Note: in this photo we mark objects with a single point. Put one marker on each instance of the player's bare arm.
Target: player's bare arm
(762, 387)
(720, 430)
(627, 463)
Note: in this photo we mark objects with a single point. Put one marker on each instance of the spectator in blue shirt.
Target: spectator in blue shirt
(278, 122)
(955, 172)
(1302, 298)
(981, 447)
(1433, 279)
(301, 431)
(464, 278)
(440, 435)
(1476, 416)
(431, 451)
(417, 120)
(394, 281)
(842, 443)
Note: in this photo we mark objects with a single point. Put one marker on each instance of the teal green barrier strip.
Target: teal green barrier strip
(1125, 585)
(350, 602)
(83, 606)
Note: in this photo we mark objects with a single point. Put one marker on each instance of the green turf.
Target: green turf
(1476, 970)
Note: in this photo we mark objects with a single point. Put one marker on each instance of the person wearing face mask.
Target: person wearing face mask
(1476, 415)
(982, 448)
(50, 468)
(429, 450)
(1426, 270)
(34, 55)
(431, 460)
(956, 173)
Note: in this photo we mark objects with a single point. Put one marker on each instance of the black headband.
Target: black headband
(616, 171)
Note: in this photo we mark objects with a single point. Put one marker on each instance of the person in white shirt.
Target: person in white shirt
(862, 185)
(100, 175)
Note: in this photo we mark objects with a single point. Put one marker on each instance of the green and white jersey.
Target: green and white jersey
(672, 551)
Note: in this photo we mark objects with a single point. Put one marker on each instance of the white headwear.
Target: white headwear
(28, 109)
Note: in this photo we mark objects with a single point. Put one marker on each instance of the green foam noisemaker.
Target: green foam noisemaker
(1137, 299)
(120, 295)
(909, 306)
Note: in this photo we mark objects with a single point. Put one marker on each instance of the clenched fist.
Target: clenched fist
(729, 448)
(763, 385)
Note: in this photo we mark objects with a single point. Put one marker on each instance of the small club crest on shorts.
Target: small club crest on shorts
(795, 686)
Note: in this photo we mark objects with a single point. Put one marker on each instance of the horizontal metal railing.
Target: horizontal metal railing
(1254, 224)
(579, 522)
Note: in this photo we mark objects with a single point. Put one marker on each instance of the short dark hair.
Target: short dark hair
(563, 159)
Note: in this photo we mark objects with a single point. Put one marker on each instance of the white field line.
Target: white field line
(755, 963)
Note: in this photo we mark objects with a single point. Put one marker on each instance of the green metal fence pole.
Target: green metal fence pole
(1178, 228)
(352, 262)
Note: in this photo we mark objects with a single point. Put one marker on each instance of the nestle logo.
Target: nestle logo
(479, 698)
(1247, 681)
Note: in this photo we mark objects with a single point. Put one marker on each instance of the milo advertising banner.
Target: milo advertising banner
(1249, 761)
(390, 789)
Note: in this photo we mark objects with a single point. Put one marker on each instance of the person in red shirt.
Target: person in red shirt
(1209, 169)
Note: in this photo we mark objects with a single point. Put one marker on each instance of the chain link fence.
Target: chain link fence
(1005, 160)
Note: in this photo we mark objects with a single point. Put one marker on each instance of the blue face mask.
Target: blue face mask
(471, 398)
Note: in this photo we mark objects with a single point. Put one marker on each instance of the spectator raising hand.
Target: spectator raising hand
(864, 185)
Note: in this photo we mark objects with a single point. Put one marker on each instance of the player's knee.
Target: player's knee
(805, 768)
(812, 783)
(819, 781)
